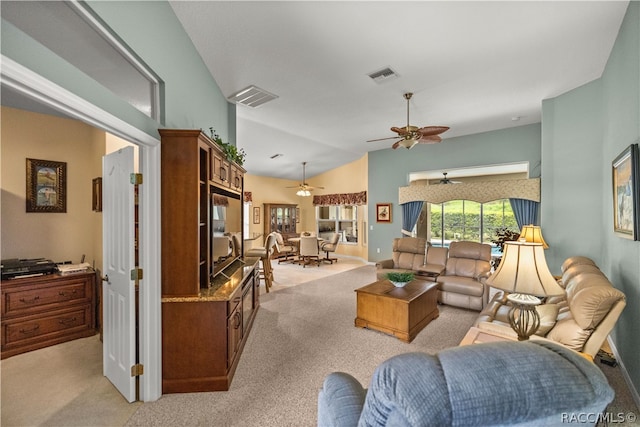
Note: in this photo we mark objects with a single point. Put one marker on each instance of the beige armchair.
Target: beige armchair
(581, 320)
(330, 246)
(461, 285)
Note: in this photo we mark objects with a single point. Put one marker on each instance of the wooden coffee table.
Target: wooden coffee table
(401, 312)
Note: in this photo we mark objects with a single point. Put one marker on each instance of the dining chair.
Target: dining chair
(330, 246)
(309, 251)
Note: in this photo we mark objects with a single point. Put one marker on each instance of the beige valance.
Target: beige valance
(479, 191)
(341, 199)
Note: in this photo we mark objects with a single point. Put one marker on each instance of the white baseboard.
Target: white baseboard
(625, 374)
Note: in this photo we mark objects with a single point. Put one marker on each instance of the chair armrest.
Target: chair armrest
(340, 400)
(385, 263)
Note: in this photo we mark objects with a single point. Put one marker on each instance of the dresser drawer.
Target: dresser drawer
(20, 300)
(49, 325)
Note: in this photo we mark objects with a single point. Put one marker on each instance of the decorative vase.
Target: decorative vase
(399, 284)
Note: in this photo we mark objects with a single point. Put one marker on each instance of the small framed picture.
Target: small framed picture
(626, 206)
(96, 195)
(256, 215)
(383, 212)
(297, 215)
(46, 186)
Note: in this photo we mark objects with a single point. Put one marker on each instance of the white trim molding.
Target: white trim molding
(30, 84)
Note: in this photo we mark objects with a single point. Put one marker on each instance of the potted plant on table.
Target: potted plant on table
(400, 279)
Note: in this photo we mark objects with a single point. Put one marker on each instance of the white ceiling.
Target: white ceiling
(472, 66)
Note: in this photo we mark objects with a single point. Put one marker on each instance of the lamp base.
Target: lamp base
(523, 316)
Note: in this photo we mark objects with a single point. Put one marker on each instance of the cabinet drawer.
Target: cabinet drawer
(17, 301)
(50, 324)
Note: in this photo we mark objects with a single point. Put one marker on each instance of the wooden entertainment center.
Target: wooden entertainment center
(208, 305)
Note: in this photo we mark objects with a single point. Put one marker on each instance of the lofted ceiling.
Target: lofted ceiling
(473, 66)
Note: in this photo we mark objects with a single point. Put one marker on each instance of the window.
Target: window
(341, 219)
(467, 220)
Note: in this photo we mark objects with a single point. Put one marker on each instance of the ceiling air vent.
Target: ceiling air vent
(252, 96)
(383, 75)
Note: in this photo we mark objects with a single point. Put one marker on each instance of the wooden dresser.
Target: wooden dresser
(45, 310)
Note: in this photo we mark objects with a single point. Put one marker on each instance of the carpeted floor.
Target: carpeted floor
(301, 333)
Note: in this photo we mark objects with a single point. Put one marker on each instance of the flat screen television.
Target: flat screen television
(226, 240)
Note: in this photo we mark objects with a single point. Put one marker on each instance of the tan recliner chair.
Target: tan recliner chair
(581, 320)
(461, 285)
(416, 255)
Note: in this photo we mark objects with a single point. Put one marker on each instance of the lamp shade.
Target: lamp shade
(523, 269)
(533, 234)
(408, 143)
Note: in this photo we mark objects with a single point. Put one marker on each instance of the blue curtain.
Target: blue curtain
(525, 211)
(410, 214)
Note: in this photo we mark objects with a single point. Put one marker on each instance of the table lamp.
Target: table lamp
(533, 233)
(524, 274)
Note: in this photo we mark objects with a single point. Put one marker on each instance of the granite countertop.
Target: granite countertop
(224, 284)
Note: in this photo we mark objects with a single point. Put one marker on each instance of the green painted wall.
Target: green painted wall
(151, 29)
(389, 169)
(582, 132)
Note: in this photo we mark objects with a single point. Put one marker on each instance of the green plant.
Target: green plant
(231, 152)
(504, 234)
(400, 277)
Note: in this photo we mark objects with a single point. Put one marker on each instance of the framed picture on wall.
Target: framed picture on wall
(256, 215)
(626, 204)
(383, 212)
(297, 215)
(46, 186)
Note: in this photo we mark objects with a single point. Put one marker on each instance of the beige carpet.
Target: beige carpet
(301, 333)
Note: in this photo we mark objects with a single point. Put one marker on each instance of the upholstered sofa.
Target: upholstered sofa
(459, 269)
(581, 320)
(499, 384)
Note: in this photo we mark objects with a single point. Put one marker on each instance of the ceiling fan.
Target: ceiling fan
(304, 189)
(446, 180)
(412, 135)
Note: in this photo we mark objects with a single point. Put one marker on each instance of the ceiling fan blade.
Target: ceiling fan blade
(433, 130)
(382, 139)
(430, 139)
(396, 145)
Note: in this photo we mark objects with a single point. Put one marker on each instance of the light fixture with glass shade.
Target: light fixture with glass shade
(532, 233)
(524, 275)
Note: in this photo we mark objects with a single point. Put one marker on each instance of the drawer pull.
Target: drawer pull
(64, 294)
(238, 320)
(67, 321)
(30, 301)
(30, 331)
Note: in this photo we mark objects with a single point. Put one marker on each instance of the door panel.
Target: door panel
(119, 348)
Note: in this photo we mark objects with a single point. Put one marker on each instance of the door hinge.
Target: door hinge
(136, 274)
(137, 370)
(136, 178)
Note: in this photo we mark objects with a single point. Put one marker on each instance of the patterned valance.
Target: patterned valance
(481, 192)
(341, 199)
(219, 200)
(248, 197)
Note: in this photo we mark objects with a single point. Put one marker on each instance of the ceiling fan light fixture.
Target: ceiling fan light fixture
(408, 143)
(303, 193)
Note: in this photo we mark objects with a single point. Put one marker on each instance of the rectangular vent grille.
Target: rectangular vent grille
(383, 75)
(252, 96)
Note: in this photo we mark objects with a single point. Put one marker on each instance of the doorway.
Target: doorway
(36, 88)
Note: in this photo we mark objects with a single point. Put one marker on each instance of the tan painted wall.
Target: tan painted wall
(350, 178)
(57, 236)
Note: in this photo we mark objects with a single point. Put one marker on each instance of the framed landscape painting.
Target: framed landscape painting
(626, 202)
(46, 186)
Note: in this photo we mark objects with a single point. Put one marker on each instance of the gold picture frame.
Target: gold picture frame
(383, 212)
(256, 215)
(626, 204)
(46, 186)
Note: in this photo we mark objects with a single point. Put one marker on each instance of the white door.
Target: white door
(118, 292)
